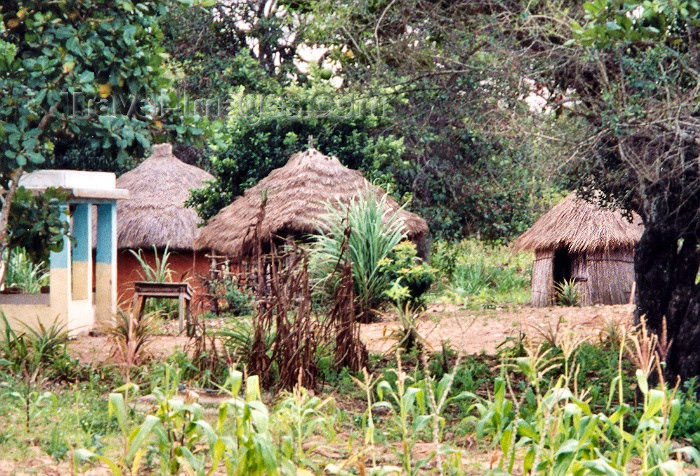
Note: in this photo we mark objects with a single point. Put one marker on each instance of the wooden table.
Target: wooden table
(181, 291)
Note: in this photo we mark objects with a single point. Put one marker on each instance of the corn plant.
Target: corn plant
(563, 436)
(31, 402)
(412, 418)
(298, 417)
(184, 442)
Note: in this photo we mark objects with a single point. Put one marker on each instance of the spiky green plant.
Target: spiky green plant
(372, 236)
(566, 293)
(23, 273)
(160, 272)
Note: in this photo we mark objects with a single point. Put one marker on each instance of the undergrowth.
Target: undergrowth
(480, 275)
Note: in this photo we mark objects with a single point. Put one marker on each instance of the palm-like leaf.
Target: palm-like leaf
(373, 234)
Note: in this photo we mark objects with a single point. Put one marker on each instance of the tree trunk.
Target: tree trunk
(5, 219)
(666, 266)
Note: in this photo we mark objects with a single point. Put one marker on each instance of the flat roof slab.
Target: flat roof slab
(80, 184)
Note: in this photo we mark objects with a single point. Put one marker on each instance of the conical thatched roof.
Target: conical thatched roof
(296, 198)
(155, 213)
(581, 226)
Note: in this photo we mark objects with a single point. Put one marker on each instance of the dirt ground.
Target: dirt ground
(476, 332)
(471, 332)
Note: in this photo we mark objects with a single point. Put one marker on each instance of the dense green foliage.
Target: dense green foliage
(411, 277)
(82, 70)
(38, 223)
(263, 131)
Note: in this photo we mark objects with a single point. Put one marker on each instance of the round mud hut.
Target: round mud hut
(155, 215)
(296, 197)
(576, 240)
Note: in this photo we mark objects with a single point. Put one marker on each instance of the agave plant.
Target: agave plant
(566, 293)
(370, 237)
(160, 272)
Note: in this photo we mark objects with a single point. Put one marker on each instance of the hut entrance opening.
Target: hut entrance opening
(562, 265)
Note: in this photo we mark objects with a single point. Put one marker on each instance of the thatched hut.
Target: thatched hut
(296, 197)
(155, 215)
(593, 246)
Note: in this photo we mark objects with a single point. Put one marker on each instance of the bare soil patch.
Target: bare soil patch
(476, 332)
(468, 331)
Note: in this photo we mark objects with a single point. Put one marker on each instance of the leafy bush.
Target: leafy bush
(407, 271)
(688, 425)
(237, 300)
(38, 223)
(259, 137)
(372, 239)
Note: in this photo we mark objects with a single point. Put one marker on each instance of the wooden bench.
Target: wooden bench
(181, 291)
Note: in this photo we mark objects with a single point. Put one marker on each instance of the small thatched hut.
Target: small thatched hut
(155, 215)
(593, 246)
(296, 198)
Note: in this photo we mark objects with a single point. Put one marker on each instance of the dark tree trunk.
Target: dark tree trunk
(666, 267)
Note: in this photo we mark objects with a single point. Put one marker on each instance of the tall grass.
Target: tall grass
(478, 274)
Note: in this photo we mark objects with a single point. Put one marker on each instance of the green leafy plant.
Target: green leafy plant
(373, 236)
(231, 297)
(160, 271)
(36, 350)
(481, 275)
(31, 402)
(554, 427)
(130, 337)
(410, 404)
(240, 438)
(566, 293)
(23, 273)
(298, 417)
(405, 269)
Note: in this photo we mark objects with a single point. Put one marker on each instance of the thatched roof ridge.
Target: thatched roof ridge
(296, 197)
(581, 226)
(155, 213)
